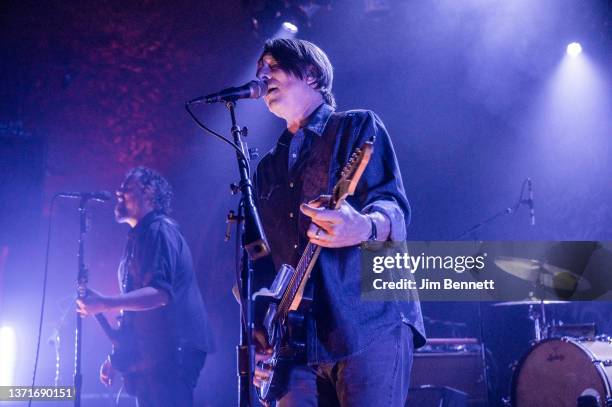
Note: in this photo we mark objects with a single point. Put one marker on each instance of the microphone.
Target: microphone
(530, 201)
(252, 90)
(101, 196)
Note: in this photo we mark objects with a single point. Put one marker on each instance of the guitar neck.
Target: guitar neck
(295, 287)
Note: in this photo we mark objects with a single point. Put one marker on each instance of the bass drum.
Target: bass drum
(556, 372)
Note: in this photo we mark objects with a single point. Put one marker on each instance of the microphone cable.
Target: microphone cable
(219, 136)
(44, 296)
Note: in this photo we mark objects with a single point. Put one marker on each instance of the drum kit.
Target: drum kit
(567, 365)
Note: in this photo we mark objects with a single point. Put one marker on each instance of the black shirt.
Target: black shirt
(157, 255)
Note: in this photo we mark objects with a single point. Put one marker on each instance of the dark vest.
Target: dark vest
(279, 203)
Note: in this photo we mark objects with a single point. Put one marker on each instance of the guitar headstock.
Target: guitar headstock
(351, 172)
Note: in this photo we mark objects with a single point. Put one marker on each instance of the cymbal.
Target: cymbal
(529, 302)
(547, 274)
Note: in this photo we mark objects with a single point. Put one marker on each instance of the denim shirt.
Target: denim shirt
(340, 324)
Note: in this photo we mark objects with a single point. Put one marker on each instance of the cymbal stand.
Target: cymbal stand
(538, 318)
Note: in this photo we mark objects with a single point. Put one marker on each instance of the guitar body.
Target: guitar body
(124, 357)
(288, 349)
(124, 354)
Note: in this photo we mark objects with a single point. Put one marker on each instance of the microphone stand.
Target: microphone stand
(507, 211)
(473, 230)
(253, 245)
(81, 293)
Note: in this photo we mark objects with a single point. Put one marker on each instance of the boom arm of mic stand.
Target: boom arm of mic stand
(507, 211)
(478, 226)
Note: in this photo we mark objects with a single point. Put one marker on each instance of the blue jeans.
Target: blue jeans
(377, 376)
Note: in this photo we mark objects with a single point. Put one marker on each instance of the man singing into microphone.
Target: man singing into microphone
(358, 353)
(164, 323)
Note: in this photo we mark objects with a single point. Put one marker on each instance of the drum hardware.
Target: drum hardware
(538, 317)
(543, 276)
(534, 316)
(585, 331)
(529, 301)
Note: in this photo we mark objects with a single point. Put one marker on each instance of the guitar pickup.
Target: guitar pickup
(279, 284)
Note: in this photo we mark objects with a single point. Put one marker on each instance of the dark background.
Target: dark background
(477, 96)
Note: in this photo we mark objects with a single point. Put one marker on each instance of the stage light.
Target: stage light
(290, 27)
(377, 8)
(8, 355)
(283, 18)
(574, 49)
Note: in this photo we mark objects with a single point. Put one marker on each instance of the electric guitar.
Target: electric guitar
(123, 356)
(284, 322)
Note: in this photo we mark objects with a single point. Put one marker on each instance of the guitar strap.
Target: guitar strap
(316, 173)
